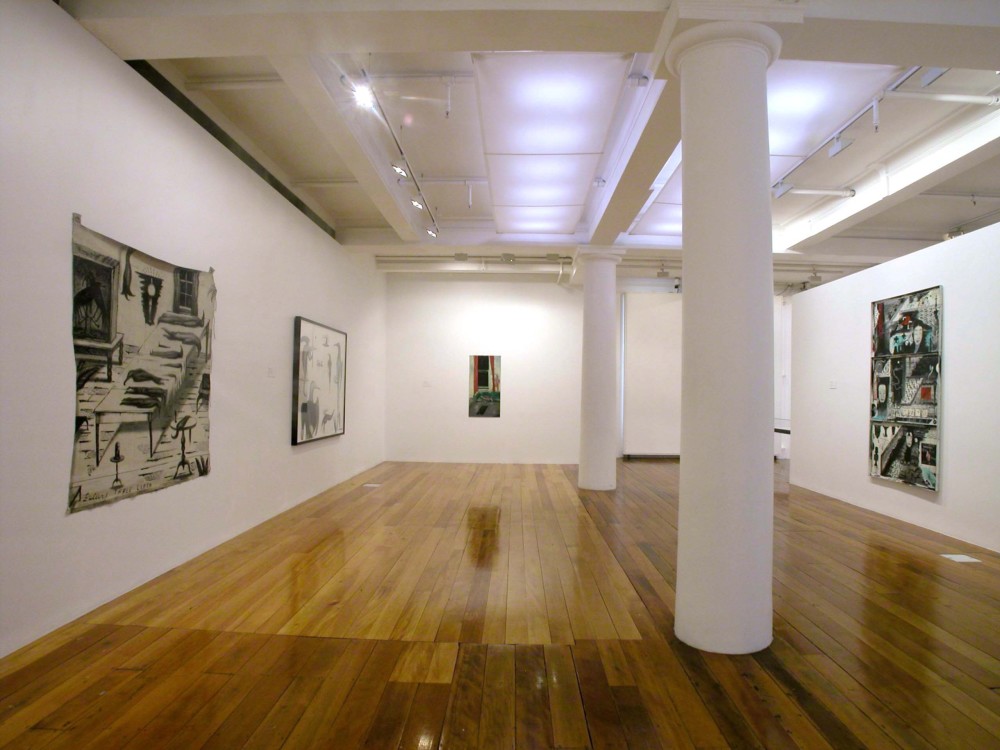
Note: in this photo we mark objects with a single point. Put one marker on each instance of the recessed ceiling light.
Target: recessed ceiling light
(399, 170)
(432, 233)
(417, 204)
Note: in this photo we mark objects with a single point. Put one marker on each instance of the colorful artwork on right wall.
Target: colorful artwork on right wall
(906, 388)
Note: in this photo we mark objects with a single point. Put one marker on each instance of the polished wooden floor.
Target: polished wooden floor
(464, 606)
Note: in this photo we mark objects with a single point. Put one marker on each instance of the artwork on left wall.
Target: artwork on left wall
(903, 443)
(319, 375)
(142, 341)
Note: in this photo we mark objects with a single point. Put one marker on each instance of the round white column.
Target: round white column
(599, 405)
(725, 526)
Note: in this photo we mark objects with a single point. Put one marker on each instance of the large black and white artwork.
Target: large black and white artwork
(906, 388)
(142, 342)
(319, 373)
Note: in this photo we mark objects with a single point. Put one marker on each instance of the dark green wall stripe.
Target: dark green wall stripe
(147, 71)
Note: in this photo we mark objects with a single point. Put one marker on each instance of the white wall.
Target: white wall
(80, 132)
(782, 373)
(831, 347)
(435, 324)
(652, 374)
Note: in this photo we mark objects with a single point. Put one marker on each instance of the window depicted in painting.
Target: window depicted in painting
(484, 385)
(143, 373)
(906, 388)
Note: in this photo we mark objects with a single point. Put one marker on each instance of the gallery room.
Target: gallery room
(392, 378)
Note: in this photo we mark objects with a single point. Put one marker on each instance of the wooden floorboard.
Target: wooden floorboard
(496, 606)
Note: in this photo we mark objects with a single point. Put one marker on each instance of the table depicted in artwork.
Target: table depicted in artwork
(114, 404)
(100, 351)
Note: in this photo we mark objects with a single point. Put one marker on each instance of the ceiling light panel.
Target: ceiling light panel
(671, 192)
(661, 219)
(545, 119)
(807, 101)
(537, 219)
(540, 103)
(541, 180)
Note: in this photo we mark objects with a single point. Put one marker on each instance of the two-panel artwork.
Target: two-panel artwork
(906, 388)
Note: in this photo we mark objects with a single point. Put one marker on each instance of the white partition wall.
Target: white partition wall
(831, 350)
(652, 374)
(782, 375)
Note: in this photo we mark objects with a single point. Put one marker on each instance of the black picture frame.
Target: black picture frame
(319, 381)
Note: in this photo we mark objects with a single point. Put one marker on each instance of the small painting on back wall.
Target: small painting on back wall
(484, 385)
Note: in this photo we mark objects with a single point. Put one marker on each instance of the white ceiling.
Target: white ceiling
(532, 128)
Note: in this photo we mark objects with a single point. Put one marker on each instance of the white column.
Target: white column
(599, 424)
(725, 527)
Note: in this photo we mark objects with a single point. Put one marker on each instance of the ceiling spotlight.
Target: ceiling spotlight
(432, 233)
(417, 204)
(364, 97)
(399, 170)
(838, 145)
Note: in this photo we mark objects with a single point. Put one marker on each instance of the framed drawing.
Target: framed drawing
(484, 385)
(319, 375)
(906, 388)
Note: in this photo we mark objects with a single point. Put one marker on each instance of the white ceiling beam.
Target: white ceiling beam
(959, 33)
(158, 30)
(893, 42)
(231, 83)
(657, 142)
(908, 175)
(377, 180)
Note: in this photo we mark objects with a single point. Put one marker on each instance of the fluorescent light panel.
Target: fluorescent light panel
(660, 219)
(806, 101)
(541, 180)
(537, 219)
(545, 120)
(538, 103)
